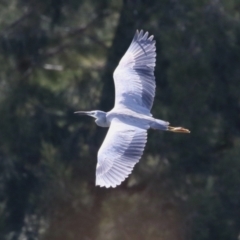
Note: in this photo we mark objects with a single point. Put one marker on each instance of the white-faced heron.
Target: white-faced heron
(130, 118)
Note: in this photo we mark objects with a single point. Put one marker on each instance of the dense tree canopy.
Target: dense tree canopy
(57, 57)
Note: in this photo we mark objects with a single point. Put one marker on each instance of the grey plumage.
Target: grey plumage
(130, 118)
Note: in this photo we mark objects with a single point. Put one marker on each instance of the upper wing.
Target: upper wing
(121, 150)
(134, 76)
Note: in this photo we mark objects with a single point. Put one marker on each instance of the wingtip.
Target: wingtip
(151, 37)
(136, 35)
(142, 34)
(104, 184)
(109, 183)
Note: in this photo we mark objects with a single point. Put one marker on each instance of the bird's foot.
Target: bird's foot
(178, 129)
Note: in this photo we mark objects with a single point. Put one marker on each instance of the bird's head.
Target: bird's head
(95, 114)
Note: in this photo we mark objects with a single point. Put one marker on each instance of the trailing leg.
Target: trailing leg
(178, 129)
(162, 125)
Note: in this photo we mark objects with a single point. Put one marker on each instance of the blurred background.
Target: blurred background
(57, 57)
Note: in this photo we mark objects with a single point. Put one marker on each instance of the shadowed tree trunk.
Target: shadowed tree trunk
(133, 13)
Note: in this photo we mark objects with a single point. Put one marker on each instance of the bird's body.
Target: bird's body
(130, 118)
(136, 119)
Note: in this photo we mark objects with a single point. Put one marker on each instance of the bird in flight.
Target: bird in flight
(130, 117)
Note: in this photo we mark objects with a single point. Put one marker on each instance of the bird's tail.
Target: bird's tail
(159, 125)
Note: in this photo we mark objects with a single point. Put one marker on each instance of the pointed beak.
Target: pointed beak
(83, 112)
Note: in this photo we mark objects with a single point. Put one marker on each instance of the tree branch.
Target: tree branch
(16, 22)
(72, 34)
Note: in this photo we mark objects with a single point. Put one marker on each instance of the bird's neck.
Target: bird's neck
(102, 120)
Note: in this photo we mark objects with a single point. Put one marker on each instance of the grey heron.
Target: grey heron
(130, 117)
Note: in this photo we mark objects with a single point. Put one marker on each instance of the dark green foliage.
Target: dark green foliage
(57, 57)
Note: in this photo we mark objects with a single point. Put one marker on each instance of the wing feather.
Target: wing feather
(121, 150)
(134, 77)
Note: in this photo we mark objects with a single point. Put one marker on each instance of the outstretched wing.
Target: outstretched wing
(134, 76)
(121, 150)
